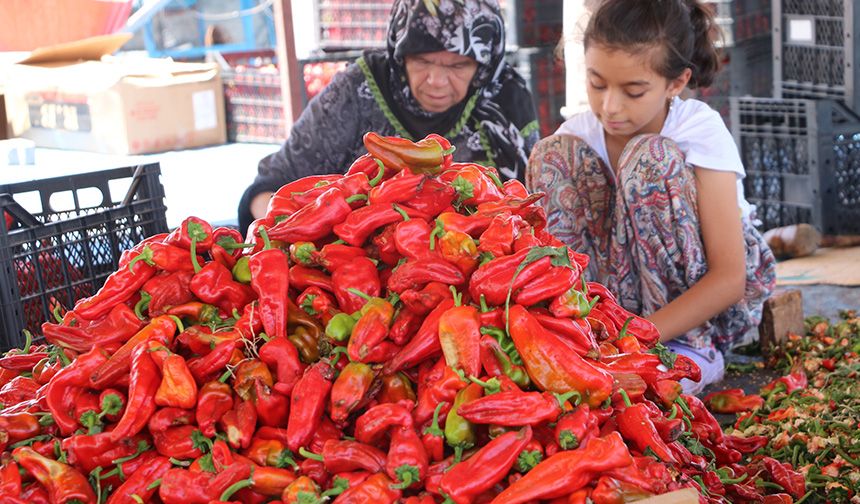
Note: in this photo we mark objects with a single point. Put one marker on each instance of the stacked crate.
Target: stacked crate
(801, 149)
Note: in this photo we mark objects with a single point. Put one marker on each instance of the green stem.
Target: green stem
(495, 179)
(401, 211)
(235, 487)
(378, 178)
(356, 197)
(484, 307)
(56, 313)
(684, 407)
(194, 261)
(842, 453)
(674, 412)
(458, 298)
(360, 294)
(437, 230)
(143, 304)
(625, 397)
(28, 341)
(562, 398)
(178, 322)
(267, 243)
(310, 455)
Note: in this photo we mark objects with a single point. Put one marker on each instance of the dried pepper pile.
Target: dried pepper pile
(809, 416)
(409, 332)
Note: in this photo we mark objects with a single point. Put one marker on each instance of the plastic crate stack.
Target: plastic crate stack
(801, 149)
(345, 24)
(70, 241)
(802, 159)
(252, 93)
(747, 50)
(537, 31)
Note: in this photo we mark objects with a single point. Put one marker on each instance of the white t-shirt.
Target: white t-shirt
(698, 130)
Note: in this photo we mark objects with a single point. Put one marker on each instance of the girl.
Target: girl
(649, 185)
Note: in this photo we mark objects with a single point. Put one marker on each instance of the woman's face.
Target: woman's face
(439, 80)
(626, 94)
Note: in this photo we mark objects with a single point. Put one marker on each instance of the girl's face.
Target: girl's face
(439, 80)
(626, 94)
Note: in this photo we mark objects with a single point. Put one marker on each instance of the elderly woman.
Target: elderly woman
(443, 72)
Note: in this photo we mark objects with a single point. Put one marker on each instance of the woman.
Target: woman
(443, 72)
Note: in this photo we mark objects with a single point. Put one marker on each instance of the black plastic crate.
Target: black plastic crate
(751, 20)
(816, 48)
(66, 249)
(802, 159)
(746, 70)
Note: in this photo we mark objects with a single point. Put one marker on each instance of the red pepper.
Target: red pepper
(308, 401)
(568, 471)
(98, 450)
(193, 234)
(215, 362)
(732, 401)
(396, 387)
(214, 284)
(363, 276)
(412, 238)
(226, 246)
(403, 186)
(628, 323)
(405, 324)
(177, 387)
(351, 185)
(63, 483)
(283, 202)
(302, 277)
(574, 429)
(331, 256)
(486, 468)
(417, 273)
(783, 475)
(407, 458)
(795, 381)
(281, 355)
(214, 400)
(17, 427)
(377, 489)
(58, 398)
(239, 423)
(143, 385)
(347, 456)
(650, 367)
(472, 225)
(433, 437)
(376, 421)
(19, 389)
(513, 408)
(119, 287)
(474, 186)
(459, 249)
(634, 422)
(499, 237)
(573, 303)
(610, 490)
(177, 442)
(166, 290)
(434, 197)
(495, 279)
(460, 338)
(371, 328)
(424, 156)
(165, 257)
(423, 345)
(369, 166)
(349, 390)
(181, 485)
(424, 301)
(553, 364)
(119, 324)
(515, 188)
(270, 280)
(361, 223)
(575, 331)
(313, 221)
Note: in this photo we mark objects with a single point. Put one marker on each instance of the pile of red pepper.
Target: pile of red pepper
(809, 416)
(406, 332)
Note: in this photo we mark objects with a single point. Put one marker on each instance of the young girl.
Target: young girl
(649, 185)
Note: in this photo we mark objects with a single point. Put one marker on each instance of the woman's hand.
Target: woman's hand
(260, 203)
(722, 237)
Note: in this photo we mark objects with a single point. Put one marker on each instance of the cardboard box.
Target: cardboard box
(76, 96)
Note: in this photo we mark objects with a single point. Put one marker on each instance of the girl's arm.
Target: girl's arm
(722, 236)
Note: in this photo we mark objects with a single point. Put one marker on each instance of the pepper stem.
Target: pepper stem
(337, 352)
(495, 179)
(625, 397)
(235, 487)
(408, 475)
(56, 313)
(484, 307)
(267, 243)
(492, 386)
(194, 261)
(562, 398)
(458, 297)
(449, 150)
(434, 429)
(400, 211)
(437, 231)
(145, 255)
(178, 322)
(623, 332)
(593, 302)
(356, 197)
(378, 178)
(310, 455)
(684, 407)
(674, 412)
(143, 304)
(360, 294)
(28, 341)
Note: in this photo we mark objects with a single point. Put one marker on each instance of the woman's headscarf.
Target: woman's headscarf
(473, 28)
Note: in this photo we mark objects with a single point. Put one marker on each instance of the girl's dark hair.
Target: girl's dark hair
(684, 30)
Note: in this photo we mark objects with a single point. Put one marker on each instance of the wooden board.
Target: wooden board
(782, 314)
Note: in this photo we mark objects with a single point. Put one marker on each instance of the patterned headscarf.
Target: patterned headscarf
(473, 28)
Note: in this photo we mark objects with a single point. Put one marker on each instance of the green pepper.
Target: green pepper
(459, 432)
(242, 271)
(339, 328)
